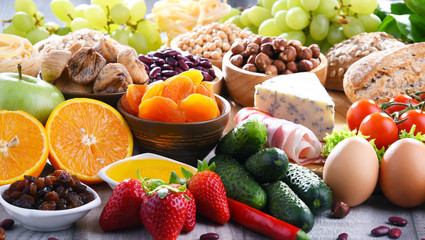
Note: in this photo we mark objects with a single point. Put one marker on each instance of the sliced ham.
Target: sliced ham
(299, 143)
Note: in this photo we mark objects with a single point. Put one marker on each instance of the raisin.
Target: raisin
(43, 191)
(30, 178)
(61, 204)
(51, 196)
(49, 205)
(33, 189)
(22, 203)
(87, 197)
(40, 183)
(15, 194)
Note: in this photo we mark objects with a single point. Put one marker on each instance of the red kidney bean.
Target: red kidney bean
(154, 72)
(205, 64)
(206, 76)
(380, 231)
(190, 64)
(7, 223)
(199, 68)
(169, 73)
(209, 236)
(181, 57)
(178, 70)
(196, 60)
(171, 61)
(183, 65)
(167, 67)
(158, 54)
(394, 233)
(159, 61)
(146, 67)
(146, 59)
(211, 72)
(342, 236)
(170, 53)
(398, 221)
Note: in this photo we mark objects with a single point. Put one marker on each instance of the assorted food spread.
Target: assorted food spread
(280, 61)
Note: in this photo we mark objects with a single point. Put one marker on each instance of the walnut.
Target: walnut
(114, 77)
(85, 65)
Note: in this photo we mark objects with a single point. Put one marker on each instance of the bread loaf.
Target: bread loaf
(382, 75)
(343, 54)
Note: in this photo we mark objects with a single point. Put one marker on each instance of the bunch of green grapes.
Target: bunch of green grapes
(325, 22)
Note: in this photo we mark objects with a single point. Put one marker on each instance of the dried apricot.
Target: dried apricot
(206, 89)
(161, 109)
(134, 96)
(194, 75)
(126, 106)
(177, 88)
(153, 89)
(198, 108)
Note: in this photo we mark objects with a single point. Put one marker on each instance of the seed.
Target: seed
(394, 233)
(7, 223)
(342, 236)
(398, 221)
(380, 231)
(209, 236)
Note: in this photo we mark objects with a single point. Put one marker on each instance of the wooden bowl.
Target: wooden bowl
(185, 142)
(241, 83)
(218, 80)
(109, 98)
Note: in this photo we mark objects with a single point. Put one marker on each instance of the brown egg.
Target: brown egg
(351, 171)
(402, 174)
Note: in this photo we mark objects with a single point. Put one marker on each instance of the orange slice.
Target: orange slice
(198, 108)
(86, 135)
(23, 146)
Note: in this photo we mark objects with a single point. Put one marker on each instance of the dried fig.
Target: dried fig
(53, 64)
(107, 50)
(128, 58)
(85, 65)
(114, 77)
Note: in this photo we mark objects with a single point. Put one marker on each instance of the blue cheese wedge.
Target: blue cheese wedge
(299, 98)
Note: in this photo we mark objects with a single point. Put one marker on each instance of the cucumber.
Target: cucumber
(267, 165)
(285, 205)
(309, 187)
(247, 138)
(238, 183)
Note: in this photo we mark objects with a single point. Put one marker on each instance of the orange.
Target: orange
(161, 109)
(23, 146)
(86, 135)
(198, 108)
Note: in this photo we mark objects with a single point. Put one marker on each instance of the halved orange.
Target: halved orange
(86, 135)
(23, 146)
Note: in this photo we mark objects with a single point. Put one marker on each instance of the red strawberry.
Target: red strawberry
(163, 212)
(123, 207)
(209, 192)
(190, 221)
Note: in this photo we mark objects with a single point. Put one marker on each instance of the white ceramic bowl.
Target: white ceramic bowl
(112, 183)
(48, 221)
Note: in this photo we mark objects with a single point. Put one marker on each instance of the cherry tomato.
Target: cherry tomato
(414, 116)
(358, 111)
(381, 127)
(400, 99)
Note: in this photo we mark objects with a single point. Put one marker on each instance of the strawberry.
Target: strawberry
(209, 192)
(163, 212)
(123, 207)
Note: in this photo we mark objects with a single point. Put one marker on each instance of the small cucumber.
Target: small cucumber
(247, 138)
(267, 165)
(285, 205)
(239, 185)
(309, 187)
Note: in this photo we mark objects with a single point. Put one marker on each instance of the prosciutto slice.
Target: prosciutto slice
(297, 141)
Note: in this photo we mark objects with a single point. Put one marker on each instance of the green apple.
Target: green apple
(29, 94)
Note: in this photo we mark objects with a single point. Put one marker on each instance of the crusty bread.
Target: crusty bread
(345, 53)
(384, 74)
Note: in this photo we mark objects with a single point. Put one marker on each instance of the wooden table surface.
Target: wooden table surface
(374, 212)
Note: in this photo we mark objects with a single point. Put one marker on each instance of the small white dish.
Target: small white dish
(144, 156)
(48, 221)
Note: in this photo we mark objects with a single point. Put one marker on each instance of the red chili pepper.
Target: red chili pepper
(263, 223)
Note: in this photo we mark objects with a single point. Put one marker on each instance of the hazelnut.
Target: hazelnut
(305, 65)
(271, 70)
(288, 55)
(315, 49)
(267, 48)
(340, 210)
(304, 53)
(244, 55)
(250, 67)
(245, 42)
(252, 48)
(237, 48)
(262, 61)
(292, 66)
(287, 71)
(279, 65)
(266, 40)
(251, 59)
(296, 44)
(237, 60)
(315, 62)
(257, 40)
(279, 44)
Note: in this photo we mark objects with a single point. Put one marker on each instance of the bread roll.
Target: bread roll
(343, 54)
(382, 75)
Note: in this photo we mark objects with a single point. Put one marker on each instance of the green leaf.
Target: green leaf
(162, 193)
(155, 183)
(418, 27)
(400, 8)
(397, 25)
(186, 173)
(174, 178)
(411, 134)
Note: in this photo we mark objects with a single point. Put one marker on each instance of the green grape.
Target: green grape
(138, 42)
(96, 17)
(363, 6)
(120, 35)
(297, 18)
(38, 19)
(120, 14)
(310, 5)
(149, 30)
(157, 44)
(279, 5)
(236, 20)
(63, 9)
(137, 9)
(294, 35)
(63, 31)
(11, 29)
(335, 34)
(353, 27)
(325, 46)
(329, 8)
(27, 6)
(280, 21)
(269, 28)
(52, 27)
(319, 27)
(293, 3)
(261, 3)
(268, 4)
(370, 22)
(112, 27)
(309, 40)
(252, 28)
(245, 18)
(258, 14)
(106, 5)
(233, 12)
(37, 34)
(128, 29)
(80, 23)
(81, 10)
(22, 21)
